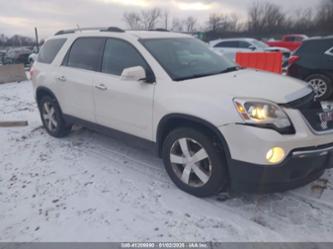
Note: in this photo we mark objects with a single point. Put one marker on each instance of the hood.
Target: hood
(250, 84)
(283, 50)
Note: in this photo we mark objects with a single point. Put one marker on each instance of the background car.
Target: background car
(313, 62)
(2, 55)
(230, 47)
(291, 42)
(17, 56)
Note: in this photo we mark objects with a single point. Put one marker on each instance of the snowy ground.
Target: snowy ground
(89, 187)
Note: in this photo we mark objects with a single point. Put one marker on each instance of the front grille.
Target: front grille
(310, 109)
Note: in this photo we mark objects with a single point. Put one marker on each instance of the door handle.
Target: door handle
(101, 87)
(61, 78)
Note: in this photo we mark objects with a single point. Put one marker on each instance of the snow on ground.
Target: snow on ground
(89, 187)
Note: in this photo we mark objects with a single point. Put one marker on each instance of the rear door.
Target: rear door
(75, 77)
(123, 105)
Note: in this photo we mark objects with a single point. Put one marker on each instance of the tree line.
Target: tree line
(15, 41)
(264, 20)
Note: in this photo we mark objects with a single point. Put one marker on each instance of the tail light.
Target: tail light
(33, 72)
(293, 59)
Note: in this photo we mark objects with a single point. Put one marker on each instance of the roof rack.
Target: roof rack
(107, 29)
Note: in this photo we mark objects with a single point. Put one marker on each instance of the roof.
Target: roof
(319, 38)
(232, 39)
(113, 30)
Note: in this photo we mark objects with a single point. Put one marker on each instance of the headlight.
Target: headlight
(265, 114)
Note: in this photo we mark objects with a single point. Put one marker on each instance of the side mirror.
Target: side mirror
(253, 48)
(133, 74)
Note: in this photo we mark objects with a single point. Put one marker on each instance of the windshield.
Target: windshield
(260, 44)
(187, 58)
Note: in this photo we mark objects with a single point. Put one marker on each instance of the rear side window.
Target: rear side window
(227, 44)
(86, 53)
(50, 50)
(244, 44)
(315, 46)
(119, 55)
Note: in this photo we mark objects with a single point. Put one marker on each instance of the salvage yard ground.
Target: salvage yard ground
(89, 187)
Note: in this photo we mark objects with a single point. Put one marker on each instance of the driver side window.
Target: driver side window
(119, 55)
(228, 44)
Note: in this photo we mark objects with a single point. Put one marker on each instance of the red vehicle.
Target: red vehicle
(291, 42)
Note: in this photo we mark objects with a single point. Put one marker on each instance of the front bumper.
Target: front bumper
(308, 154)
(301, 167)
(251, 144)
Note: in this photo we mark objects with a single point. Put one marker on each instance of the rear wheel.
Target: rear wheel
(52, 117)
(194, 162)
(322, 86)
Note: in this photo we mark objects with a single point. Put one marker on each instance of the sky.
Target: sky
(49, 16)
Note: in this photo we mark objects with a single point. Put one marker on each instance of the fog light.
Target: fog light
(275, 155)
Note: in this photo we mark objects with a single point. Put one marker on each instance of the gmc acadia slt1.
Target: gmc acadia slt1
(217, 127)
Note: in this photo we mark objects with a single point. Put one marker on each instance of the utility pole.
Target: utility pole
(36, 40)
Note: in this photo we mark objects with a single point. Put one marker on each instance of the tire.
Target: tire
(52, 117)
(320, 82)
(213, 164)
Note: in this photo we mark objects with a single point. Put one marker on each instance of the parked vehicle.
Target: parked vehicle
(313, 62)
(2, 55)
(291, 42)
(230, 47)
(17, 56)
(216, 126)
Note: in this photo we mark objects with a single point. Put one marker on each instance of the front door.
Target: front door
(123, 105)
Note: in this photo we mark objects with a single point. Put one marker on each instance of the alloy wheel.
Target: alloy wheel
(190, 162)
(320, 87)
(49, 116)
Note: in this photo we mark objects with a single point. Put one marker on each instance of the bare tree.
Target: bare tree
(234, 23)
(190, 24)
(132, 20)
(265, 17)
(214, 22)
(301, 21)
(165, 17)
(150, 18)
(324, 17)
(177, 25)
(223, 23)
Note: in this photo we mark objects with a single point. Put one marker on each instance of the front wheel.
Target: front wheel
(52, 117)
(194, 162)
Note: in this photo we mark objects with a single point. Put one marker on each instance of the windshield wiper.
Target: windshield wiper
(195, 76)
(231, 69)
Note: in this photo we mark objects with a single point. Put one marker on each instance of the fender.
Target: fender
(42, 90)
(189, 120)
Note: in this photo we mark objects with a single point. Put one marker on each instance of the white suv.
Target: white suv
(216, 126)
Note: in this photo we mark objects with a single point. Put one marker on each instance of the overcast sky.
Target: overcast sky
(20, 16)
